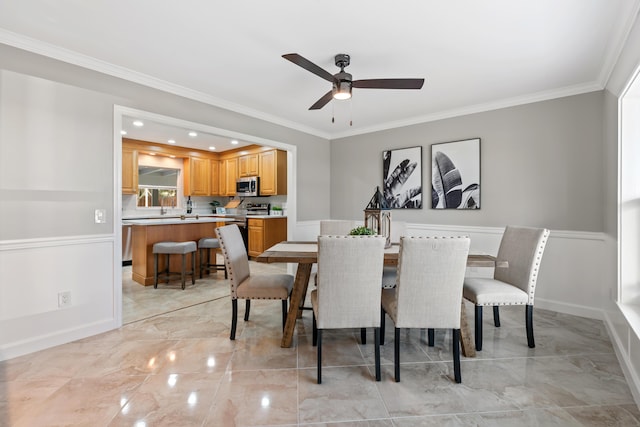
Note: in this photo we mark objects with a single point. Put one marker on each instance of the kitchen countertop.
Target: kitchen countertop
(170, 220)
(175, 220)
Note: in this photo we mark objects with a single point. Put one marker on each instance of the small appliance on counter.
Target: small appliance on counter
(258, 209)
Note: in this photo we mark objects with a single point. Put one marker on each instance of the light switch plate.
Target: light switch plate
(100, 216)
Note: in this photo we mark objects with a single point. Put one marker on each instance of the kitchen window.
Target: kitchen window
(157, 187)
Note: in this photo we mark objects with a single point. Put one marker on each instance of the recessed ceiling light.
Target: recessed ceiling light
(138, 123)
(193, 134)
(172, 156)
(212, 148)
(172, 141)
(234, 142)
(123, 132)
(152, 154)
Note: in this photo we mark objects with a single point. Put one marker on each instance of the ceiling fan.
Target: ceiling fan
(343, 83)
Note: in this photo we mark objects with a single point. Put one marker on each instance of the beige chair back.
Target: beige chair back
(522, 249)
(430, 278)
(235, 256)
(348, 293)
(336, 227)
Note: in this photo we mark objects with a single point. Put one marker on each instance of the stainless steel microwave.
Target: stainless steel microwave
(248, 186)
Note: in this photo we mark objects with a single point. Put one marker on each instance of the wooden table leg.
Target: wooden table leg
(303, 298)
(468, 348)
(299, 286)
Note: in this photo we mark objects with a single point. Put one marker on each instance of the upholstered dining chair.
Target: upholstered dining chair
(514, 279)
(428, 291)
(247, 286)
(336, 227)
(348, 293)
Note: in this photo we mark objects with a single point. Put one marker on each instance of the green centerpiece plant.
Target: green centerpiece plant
(362, 231)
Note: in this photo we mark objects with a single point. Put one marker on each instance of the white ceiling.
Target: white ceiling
(474, 55)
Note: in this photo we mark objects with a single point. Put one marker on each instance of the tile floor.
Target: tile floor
(181, 369)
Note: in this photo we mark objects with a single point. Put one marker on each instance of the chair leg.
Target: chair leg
(314, 332)
(183, 272)
(363, 335)
(202, 252)
(430, 337)
(456, 355)
(529, 323)
(478, 320)
(377, 352)
(396, 354)
(193, 268)
(319, 356)
(247, 309)
(382, 322)
(234, 318)
(168, 269)
(155, 271)
(284, 313)
(496, 316)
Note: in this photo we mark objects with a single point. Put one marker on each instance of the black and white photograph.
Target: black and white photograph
(402, 178)
(455, 175)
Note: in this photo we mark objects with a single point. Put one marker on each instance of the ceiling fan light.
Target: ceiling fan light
(342, 90)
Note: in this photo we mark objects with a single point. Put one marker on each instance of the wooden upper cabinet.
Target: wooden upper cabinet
(273, 172)
(129, 171)
(197, 176)
(228, 175)
(214, 186)
(248, 165)
(231, 172)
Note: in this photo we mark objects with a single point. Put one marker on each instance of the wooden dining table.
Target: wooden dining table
(305, 254)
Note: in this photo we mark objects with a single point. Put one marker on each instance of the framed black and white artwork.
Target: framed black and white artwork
(402, 178)
(455, 175)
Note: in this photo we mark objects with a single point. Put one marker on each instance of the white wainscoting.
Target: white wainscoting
(33, 272)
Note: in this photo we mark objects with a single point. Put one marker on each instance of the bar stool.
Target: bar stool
(205, 245)
(174, 248)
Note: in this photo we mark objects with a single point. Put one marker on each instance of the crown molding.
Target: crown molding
(478, 108)
(88, 62)
(71, 57)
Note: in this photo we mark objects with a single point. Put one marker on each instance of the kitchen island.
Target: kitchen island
(146, 232)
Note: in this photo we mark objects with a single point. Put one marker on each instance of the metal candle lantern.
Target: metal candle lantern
(377, 216)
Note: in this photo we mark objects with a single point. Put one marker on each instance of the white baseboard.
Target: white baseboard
(42, 342)
(567, 308)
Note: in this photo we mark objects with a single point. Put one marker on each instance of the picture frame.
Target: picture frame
(402, 178)
(455, 174)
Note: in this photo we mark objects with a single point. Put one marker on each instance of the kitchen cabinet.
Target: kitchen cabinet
(197, 176)
(228, 176)
(248, 165)
(214, 186)
(273, 172)
(264, 233)
(129, 171)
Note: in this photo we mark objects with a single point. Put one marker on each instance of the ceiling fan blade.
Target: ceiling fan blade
(322, 101)
(389, 84)
(308, 65)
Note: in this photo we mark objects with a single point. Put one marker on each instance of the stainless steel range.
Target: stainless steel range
(258, 209)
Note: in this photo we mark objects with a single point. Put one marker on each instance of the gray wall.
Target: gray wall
(84, 137)
(541, 165)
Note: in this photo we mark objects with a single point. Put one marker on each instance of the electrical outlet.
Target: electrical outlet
(64, 299)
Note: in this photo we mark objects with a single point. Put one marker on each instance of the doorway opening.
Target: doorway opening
(120, 274)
